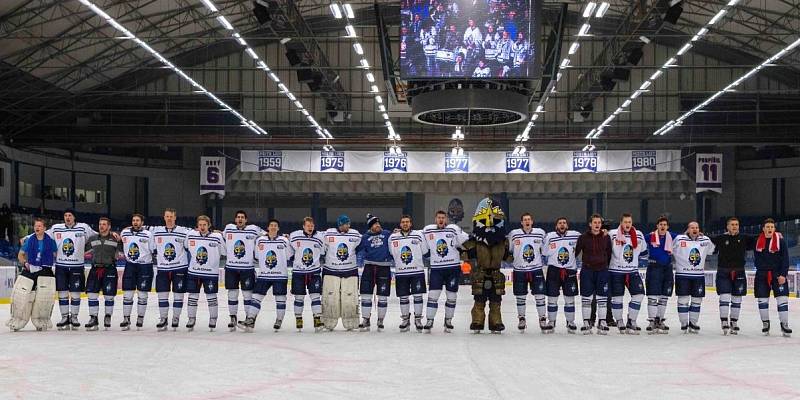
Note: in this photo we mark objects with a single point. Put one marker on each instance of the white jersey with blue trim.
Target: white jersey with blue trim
(204, 252)
(306, 250)
(340, 250)
(443, 244)
(272, 256)
(560, 249)
(170, 250)
(240, 244)
(138, 246)
(690, 255)
(408, 249)
(526, 248)
(71, 243)
(624, 256)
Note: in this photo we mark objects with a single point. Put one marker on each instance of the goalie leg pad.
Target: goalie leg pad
(331, 302)
(21, 303)
(43, 304)
(349, 302)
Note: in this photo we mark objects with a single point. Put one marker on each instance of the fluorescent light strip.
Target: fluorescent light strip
(210, 5)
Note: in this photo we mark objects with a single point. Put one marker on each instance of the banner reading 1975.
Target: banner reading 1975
(331, 160)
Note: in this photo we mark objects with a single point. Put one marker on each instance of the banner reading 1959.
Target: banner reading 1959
(518, 162)
(394, 162)
(270, 160)
(331, 161)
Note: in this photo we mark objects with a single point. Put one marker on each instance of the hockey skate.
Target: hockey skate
(586, 329)
(246, 325)
(734, 327)
(126, 323)
(725, 327)
(405, 323)
(418, 323)
(765, 328)
(190, 324)
(785, 330)
(380, 325)
(448, 325)
(233, 323)
(662, 327)
(318, 325)
(545, 326)
(139, 322)
(631, 328)
(522, 325)
(571, 328)
(162, 324)
(107, 321)
(428, 326)
(621, 326)
(74, 323)
(298, 323)
(276, 326)
(602, 327)
(93, 324)
(652, 327)
(175, 323)
(212, 324)
(364, 325)
(694, 328)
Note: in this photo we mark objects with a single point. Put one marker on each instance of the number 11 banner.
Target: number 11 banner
(709, 172)
(212, 175)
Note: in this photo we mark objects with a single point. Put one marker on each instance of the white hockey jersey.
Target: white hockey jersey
(204, 253)
(170, 250)
(306, 250)
(239, 245)
(690, 255)
(138, 246)
(272, 256)
(526, 248)
(443, 244)
(625, 257)
(340, 251)
(71, 243)
(408, 251)
(560, 249)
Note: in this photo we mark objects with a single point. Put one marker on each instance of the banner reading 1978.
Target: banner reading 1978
(584, 161)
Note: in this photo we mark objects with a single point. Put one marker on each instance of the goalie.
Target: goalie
(340, 276)
(34, 290)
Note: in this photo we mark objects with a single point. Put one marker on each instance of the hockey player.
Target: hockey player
(103, 274)
(443, 240)
(138, 246)
(594, 248)
(562, 273)
(771, 258)
(172, 267)
(377, 273)
(70, 239)
(659, 280)
(690, 251)
(627, 245)
(340, 276)
(408, 248)
(525, 246)
(731, 280)
(239, 265)
(32, 295)
(272, 253)
(204, 251)
(306, 248)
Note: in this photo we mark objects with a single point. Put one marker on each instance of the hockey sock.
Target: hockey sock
(450, 304)
(433, 303)
(683, 309)
(247, 297)
(298, 306)
(586, 307)
(662, 306)
(191, 310)
(602, 307)
(177, 304)
(763, 308)
(652, 307)
(280, 306)
(634, 306)
(783, 308)
(163, 304)
(521, 306)
(552, 308)
(127, 302)
(366, 305)
(316, 303)
(736, 307)
(405, 305)
(694, 310)
(541, 308)
(616, 307)
(724, 305)
(109, 304)
(255, 305)
(213, 307)
(74, 303)
(418, 305)
(94, 304)
(569, 308)
(63, 302)
(141, 304)
(383, 304)
(233, 301)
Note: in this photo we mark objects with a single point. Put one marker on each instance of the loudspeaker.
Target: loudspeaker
(673, 13)
(294, 57)
(608, 83)
(635, 55)
(620, 74)
(305, 75)
(262, 13)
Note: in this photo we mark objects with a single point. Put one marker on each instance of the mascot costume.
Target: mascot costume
(488, 245)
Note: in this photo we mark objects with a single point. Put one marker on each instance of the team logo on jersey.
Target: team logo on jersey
(201, 256)
(627, 253)
(405, 255)
(68, 247)
(133, 252)
(694, 257)
(528, 253)
(441, 248)
(308, 257)
(562, 256)
(238, 249)
(271, 260)
(342, 252)
(169, 252)
(376, 241)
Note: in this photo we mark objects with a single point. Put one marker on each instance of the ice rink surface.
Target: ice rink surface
(392, 365)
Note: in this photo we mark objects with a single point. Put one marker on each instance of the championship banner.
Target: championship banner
(583, 161)
(212, 175)
(270, 160)
(456, 163)
(709, 172)
(331, 161)
(517, 162)
(643, 159)
(394, 162)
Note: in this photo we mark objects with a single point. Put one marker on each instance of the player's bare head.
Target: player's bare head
(596, 222)
(526, 219)
(38, 225)
(733, 225)
(441, 218)
(69, 217)
(104, 225)
(768, 226)
(273, 226)
(561, 224)
(137, 220)
(626, 220)
(169, 216)
(240, 218)
(203, 223)
(405, 223)
(662, 223)
(308, 225)
(693, 229)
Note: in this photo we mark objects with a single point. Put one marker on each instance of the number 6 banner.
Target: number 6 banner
(212, 175)
(709, 172)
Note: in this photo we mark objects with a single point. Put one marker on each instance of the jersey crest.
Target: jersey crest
(271, 260)
(406, 255)
(201, 256)
(308, 257)
(441, 248)
(694, 257)
(68, 247)
(562, 256)
(627, 253)
(133, 251)
(169, 251)
(342, 252)
(528, 253)
(238, 249)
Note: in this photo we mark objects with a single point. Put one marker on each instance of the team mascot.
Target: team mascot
(340, 276)
(32, 297)
(488, 245)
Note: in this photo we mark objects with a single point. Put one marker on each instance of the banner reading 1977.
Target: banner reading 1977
(518, 162)
(455, 164)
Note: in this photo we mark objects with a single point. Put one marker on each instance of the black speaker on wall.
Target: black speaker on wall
(674, 13)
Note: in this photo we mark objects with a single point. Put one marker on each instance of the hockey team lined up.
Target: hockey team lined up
(324, 267)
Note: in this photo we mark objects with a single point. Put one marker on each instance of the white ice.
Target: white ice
(461, 365)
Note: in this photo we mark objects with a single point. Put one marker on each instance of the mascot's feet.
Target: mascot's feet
(478, 317)
(476, 327)
(495, 318)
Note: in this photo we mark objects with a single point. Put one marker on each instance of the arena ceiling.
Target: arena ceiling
(68, 79)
